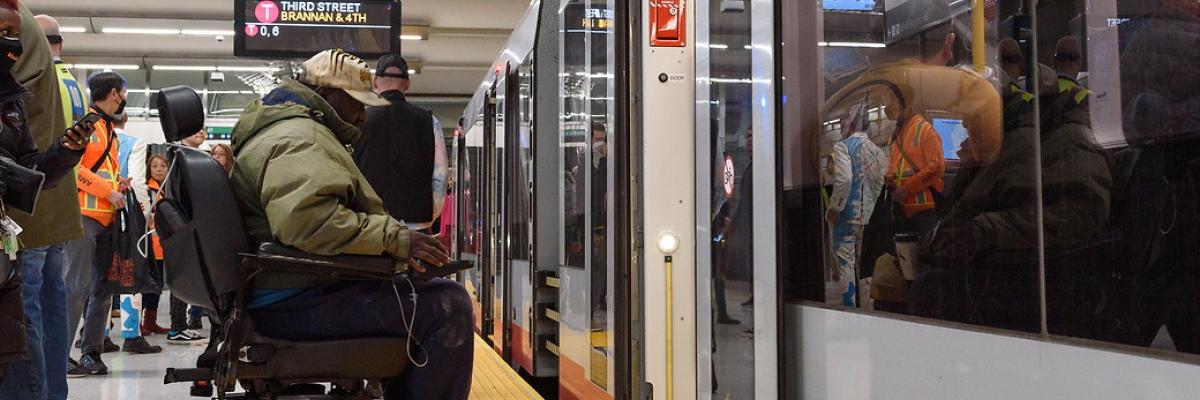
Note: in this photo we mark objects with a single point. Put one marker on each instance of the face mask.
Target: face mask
(10, 52)
(120, 107)
(882, 131)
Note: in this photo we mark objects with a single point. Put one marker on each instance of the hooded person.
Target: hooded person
(997, 214)
(297, 184)
(19, 148)
(857, 169)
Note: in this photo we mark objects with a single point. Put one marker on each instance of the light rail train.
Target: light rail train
(643, 186)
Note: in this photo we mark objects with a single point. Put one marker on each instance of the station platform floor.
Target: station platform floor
(141, 376)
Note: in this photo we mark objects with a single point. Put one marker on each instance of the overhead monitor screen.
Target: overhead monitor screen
(952, 133)
(298, 29)
(849, 5)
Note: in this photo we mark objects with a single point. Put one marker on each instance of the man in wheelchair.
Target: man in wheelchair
(297, 185)
(984, 249)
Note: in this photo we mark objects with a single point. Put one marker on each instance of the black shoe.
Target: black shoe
(748, 303)
(196, 325)
(110, 347)
(76, 371)
(140, 346)
(93, 364)
(727, 320)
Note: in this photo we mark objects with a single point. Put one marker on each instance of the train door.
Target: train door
(518, 216)
(591, 235)
(471, 213)
(496, 164)
(735, 275)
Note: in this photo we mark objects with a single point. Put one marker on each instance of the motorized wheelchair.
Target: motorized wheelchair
(1091, 287)
(212, 263)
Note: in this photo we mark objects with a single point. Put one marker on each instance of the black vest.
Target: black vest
(396, 155)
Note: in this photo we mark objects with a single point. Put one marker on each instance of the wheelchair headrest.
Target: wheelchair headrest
(181, 112)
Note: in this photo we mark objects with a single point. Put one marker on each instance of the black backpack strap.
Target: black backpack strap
(112, 137)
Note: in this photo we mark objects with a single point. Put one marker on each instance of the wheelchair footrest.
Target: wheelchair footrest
(177, 375)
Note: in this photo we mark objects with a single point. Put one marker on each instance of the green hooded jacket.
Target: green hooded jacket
(57, 215)
(297, 184)
(1077, 186)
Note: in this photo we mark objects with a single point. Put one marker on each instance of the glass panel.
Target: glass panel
(919, 169)
(587, 107)
(471, 213)
(499, 242)
(520, 176)
(1119, 132)
(731, 111)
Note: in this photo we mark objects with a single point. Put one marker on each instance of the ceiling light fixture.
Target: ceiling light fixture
(718, 46)
(72, 29)
(142, 31)
(104, 66)
(246, 69)
(414, 32)
(184, 68)
(730, 80)
(870, 45)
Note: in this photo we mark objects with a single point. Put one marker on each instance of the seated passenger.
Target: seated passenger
(298, 185)
(998, 212)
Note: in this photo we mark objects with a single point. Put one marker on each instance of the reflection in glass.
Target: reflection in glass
(1119, 130)
(1073, 164)
(731, 138)
(587, 87)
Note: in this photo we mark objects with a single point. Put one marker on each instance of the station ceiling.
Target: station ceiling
(463, 36)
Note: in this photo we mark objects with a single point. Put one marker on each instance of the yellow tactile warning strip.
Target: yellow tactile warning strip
(494, 379)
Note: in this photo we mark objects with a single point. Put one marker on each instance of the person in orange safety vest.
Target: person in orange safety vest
(916, 169)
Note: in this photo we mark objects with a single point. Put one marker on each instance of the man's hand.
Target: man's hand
(425, 248)
(125, 184)
(117, 200)
(77, 137)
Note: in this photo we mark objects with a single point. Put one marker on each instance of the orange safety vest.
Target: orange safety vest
(94, 187)
(918, 165)
(155, 196)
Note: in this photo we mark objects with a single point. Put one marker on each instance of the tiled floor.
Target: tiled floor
(141, 376)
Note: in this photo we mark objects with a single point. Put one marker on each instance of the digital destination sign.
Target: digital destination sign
(298, 29)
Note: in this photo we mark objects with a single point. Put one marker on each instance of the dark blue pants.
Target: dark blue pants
(442, 331)
(44, 374)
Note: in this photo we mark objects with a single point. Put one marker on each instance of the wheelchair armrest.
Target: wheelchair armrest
(275, 257)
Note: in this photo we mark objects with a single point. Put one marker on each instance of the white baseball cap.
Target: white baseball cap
(341, 70)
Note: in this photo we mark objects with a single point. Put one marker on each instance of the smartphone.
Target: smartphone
(90, 119)
(442, 272)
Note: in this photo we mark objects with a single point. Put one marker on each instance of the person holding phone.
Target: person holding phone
(24, 59)
(98, 179)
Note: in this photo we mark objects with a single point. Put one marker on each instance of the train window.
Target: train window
(1120, 148)
(1048, 186)
(910, 193)
(587, 90)
(729, 96)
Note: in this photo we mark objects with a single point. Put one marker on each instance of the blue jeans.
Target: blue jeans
(442, 329)
(44, 374)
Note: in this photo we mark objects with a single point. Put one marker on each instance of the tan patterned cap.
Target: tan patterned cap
(341, 70)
